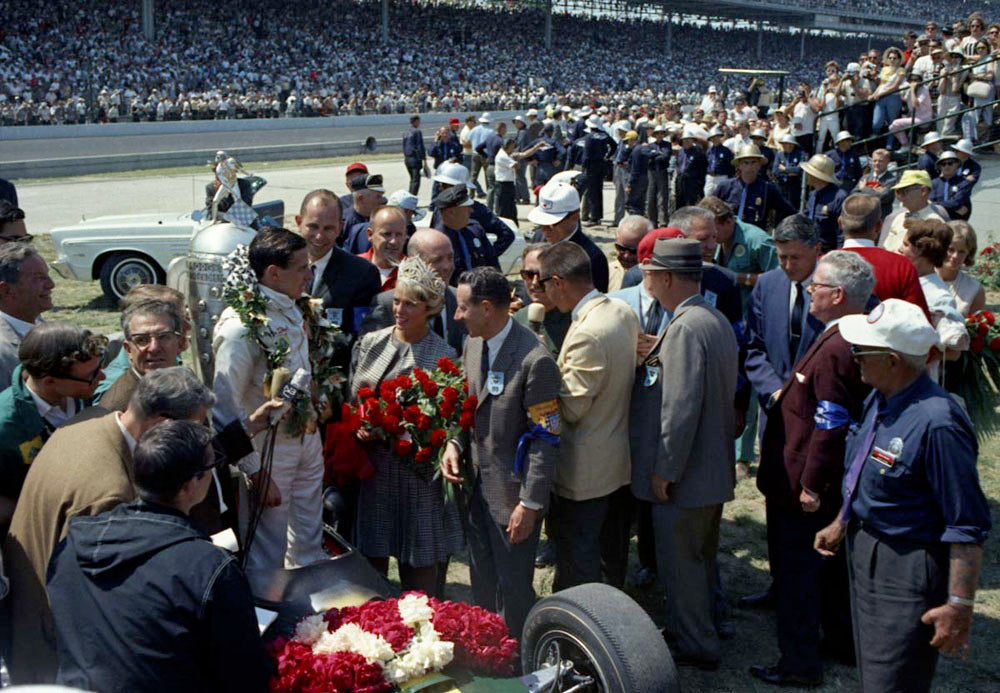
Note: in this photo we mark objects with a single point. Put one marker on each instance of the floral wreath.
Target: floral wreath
(242, 293)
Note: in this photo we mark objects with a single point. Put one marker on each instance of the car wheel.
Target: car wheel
(122, 271)
(612, 643)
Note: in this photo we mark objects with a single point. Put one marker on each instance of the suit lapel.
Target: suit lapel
(806, 358)
(501, 363)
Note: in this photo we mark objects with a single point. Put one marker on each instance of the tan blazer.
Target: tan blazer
(85, 468)
(597, 363)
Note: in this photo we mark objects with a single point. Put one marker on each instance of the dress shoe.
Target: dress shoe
(546, 555)
(776, 677)
(760, 600)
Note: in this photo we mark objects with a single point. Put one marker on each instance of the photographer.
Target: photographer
(803, 112)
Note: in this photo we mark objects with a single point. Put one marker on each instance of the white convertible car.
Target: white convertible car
(125, 250)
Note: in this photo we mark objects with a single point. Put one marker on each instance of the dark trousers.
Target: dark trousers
(501, 572)
(595, 193)
(590, 535)
(521, 184)
(687, 540)
(806, 142)
(478, 164)
(645, 538)
(505, 202)
(893, 582)
(657, 198)
(636, 203)
(811, 591)
(414, 168)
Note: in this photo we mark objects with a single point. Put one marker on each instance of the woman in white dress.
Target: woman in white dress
(969, 294)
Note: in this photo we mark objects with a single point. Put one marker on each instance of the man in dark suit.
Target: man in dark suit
(414, 153)
(779, 327)
(514, 451)
(434, 248)
(802, 464)
(692, 473)
(8, 192)
(558, 215)
(347, 284)
(469, 242)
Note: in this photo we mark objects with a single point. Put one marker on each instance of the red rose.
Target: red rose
(423, 455)
(449, 394)
(439, 435)
(469, 404)
(404, 382)
(403, 448)
(411, 413)
(447, 366)
(365, 392)
(466, 420)
(995, 344)
(982, 329)
(447, 409)
(976, 345)
(987, 317)
(375, 417)
(988, 250)
(429, 387)
(419, 375)
(391, 424)
(423, 422)
(465, 387)
(387, 392)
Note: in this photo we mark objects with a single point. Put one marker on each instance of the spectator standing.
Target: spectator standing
(913, 193)
(414, 154)
(825, 200)
(630, 232)
(471, 246)
(25, 293)
(387, 235)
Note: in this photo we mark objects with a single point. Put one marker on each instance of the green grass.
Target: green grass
(742, 555)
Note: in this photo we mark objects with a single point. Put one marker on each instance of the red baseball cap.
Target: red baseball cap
(454, 121)
(356, 167)
(645, 249)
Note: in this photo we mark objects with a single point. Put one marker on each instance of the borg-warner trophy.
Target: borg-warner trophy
(229, 221)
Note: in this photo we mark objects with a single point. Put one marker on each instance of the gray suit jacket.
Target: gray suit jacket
(381, 316)
(9, 343)
(530, 378)
(698, 361)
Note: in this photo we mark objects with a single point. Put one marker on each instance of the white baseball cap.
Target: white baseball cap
(594, 123)
(484, 118)
(451, 173)
(893, 324)
(555, 201)
(405, 200)
(713, 90)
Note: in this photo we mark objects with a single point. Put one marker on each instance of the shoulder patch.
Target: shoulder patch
(546, 415)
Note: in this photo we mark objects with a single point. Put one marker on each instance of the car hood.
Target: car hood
(130, 221)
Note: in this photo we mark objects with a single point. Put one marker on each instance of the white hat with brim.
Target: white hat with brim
(931, 137)
(893, 324)
(964, 146)
(821, 166)
(408, 201)
(451, 173)
(788, 139)
(843, 135)
(749, 151)
(555, 201)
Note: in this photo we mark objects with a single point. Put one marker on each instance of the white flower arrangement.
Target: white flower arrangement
(414, 608)
(351, 638)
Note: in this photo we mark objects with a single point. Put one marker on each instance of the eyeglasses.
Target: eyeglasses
(144, 339)
(26, 238)
(815, 285)
(542, 280)
(859, 352)
(625, 249)
(89, 381)
(529, 275)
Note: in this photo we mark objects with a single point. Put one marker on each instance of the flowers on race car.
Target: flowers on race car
(381, 644)
(417, 414)
(241, 292)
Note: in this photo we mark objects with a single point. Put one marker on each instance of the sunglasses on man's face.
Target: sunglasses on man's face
(95, 374)
(625, 249)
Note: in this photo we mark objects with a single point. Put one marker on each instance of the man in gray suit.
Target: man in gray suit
(693, 471)
(434, 248)
(25, 293)
(513, 448)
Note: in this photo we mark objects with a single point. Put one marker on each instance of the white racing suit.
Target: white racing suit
(290, 533)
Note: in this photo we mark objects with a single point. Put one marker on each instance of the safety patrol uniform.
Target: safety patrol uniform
(658, 192)
(789, 180)
(953, 195)
(752, 202)
(823, 207)
(720, 167)
(847, 166)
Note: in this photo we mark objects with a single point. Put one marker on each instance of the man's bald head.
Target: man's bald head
(631, 230)
(434, 248)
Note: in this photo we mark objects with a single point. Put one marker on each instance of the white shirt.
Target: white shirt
(318, 268)
(496, 341)
(55, 415)
(504, 167)
(129, 440)
(792, 295)
(803, 119)
(858, 243)
(593, 293)
(19, 326)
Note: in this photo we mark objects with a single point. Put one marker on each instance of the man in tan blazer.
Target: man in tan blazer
(85, 468)
(591, 509)
(513, 447)
(693, 473)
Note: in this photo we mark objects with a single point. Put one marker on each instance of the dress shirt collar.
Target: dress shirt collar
(496, 341)
(129, 440)
(593, 293)
(318, 268)
(19, 326)
(906, 396)
(831, 324)
(52, 413)
(858, 243)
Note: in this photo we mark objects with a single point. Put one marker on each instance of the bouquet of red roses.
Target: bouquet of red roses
(418, 414)
(980, 371)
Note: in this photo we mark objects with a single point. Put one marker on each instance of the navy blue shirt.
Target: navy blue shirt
(661, 159)
(449, 150)
(639, 162)
(596, 147)
(488, 222)
(792, 161)
(953, 195)
(354, 235)
(970, 172)
(823, 207)
(623, 153)
(491, 146)
(847, 167)
(413, 145)
(752, 202)
(720, 161)
(471, 246)
(928, 162)
(919, 480)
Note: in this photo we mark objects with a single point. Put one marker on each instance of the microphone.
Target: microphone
(536, 316)
(286, 387)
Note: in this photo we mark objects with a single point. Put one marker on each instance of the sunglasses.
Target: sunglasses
(529, 275)
(144, 339)
(88, 381)
(542, 280)
(625, 249)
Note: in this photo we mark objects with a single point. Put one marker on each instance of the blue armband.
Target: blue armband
(831, 415)
(537, 432)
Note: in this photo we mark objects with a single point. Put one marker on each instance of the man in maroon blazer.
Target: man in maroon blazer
(895, 275)
(802, 463)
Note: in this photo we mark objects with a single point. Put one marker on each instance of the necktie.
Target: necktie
(946, 189)
(743, 201)
(795, 327)
(466, 255)
(812, 206)
(854, 471)
(653, 318)
(312, 283)
(439, 326)
(484, 364)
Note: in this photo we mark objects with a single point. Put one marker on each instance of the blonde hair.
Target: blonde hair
(419, 281)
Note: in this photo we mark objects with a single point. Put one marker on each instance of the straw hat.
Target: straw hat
(821, 166)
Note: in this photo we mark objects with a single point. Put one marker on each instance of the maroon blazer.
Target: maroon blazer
(818, 402)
